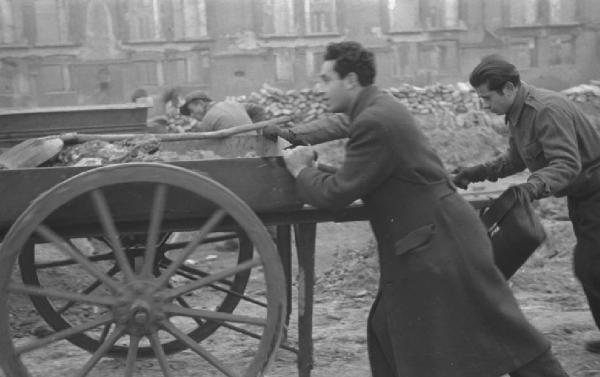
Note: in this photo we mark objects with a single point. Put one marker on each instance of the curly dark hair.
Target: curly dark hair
(496, 72)
(352, 57)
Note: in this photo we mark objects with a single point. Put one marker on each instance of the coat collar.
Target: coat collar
(364, 99)
(513, 115)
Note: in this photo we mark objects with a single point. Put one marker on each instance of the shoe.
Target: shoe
(593, 346)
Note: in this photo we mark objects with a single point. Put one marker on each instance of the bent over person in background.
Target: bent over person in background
(213, 116)
(443, 309)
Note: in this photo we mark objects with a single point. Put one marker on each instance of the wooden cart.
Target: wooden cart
(141, 296)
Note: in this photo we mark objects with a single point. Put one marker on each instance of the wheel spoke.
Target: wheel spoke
(159, 353)
(212, 222)
(110, 341)
(158, 207)
(134, 341)
(171, 293)
(88, 290)
(194, 346)
(215, 316)
(104, 333)
(179, 245)
(63, 334)
(69, 262)
(111, 232)
(254, 335)
(184, 304)
(188, 271)
(224, 237)
(36, 290)
(173, 246)
(50, 236)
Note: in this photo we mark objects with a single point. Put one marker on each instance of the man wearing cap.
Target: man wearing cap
(213, 116)
(557, 142)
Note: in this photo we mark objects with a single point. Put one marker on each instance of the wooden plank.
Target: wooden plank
(237, 146)
(17, 125)
(63, 109)
(263, 183)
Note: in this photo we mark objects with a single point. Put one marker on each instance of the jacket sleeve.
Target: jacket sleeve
(327, 128)
(507, 164)
(558, 139)
(368, 163)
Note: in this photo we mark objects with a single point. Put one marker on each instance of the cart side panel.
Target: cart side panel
(263, 183)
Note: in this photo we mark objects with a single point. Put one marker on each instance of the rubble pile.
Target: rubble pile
(459, 98)
(587, 95)
(303, 105)
(99, 152)
(308, 104)
(450, 115)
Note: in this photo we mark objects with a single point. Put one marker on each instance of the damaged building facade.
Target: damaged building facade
(69, 52)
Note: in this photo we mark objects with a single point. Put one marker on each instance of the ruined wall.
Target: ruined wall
(101, 51)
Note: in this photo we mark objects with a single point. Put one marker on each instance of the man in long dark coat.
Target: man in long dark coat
(443, 309)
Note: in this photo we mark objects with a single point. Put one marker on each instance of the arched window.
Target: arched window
(403, 15)
(278, 17)
(320, 16)
(144, 20)
(51, 22)
(189, 19)
(99, 21)
(562, 11)
(523, 12)
(7, 27)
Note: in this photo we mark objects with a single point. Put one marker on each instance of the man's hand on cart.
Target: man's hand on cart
(299, 158)
(462, 176)
(271, 132)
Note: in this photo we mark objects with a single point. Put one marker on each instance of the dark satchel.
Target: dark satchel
(515, 230)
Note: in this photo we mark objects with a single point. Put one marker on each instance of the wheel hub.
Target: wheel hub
(140, 308)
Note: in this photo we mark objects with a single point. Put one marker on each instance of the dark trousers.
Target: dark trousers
(585, 216)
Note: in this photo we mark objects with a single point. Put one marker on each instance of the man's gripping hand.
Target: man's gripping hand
(271, 131)
(462, 176)
(298, 158)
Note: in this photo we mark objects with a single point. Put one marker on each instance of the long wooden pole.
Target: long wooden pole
(80, 138)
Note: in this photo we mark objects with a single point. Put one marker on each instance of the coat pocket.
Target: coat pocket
(534, 155)
(416, 240)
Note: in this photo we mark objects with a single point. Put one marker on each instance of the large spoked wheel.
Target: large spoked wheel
(36, 269)
(151, 302)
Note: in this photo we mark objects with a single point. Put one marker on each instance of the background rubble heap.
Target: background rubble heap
(450, 115)
(307, 104)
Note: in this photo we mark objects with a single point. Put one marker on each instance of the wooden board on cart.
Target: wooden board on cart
(17, 125)
(239, 174)
(236, 146)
